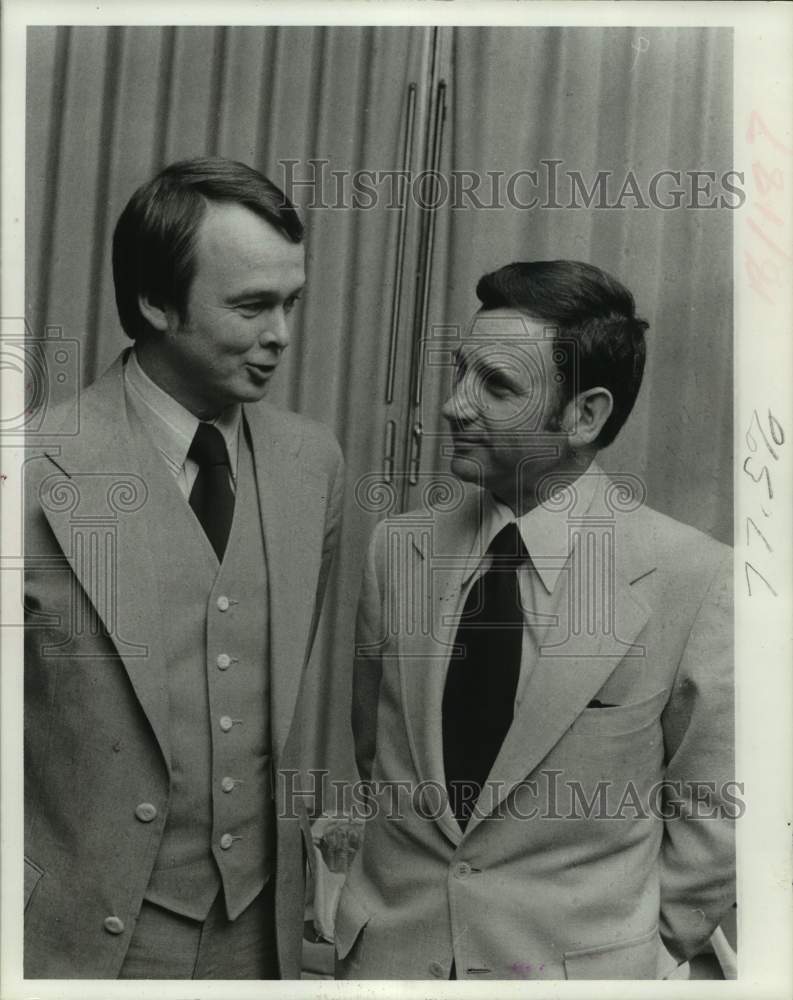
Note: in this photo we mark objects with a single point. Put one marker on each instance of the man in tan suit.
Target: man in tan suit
(543, 693)
(177, 550)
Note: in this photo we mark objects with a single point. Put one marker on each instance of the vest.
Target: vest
(220, 828)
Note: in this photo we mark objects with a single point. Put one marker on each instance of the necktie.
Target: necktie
(211, 497)
(479, 696)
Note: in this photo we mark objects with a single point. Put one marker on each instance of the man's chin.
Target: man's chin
(252, 393)
(467, 468)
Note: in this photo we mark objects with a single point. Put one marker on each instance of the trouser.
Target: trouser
(167, 945)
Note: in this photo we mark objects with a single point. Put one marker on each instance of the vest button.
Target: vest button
(223, 661)
(437, 970)
(146, 812)
(114, 925)
(223, 603)
(225, 723)
(226, 841)
(227, 784)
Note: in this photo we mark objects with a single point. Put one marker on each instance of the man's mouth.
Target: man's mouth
(261, 371)
(465, 440)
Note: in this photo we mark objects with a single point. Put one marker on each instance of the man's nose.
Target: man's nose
(460, 407)
(275, 331)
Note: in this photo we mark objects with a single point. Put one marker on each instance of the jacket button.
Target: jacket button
(114, 925)
(227, 784)
(226, 841)
(438, 971)
(223, 603)
(462, 869)
(226, 723)
(146, 812)
(223, 661)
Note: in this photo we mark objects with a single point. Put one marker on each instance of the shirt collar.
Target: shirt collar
(544, 529)
(170, 424)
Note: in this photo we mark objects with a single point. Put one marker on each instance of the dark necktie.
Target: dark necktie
(479, 697)
(211, 497)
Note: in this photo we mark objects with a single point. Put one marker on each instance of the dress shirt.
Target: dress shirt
(545, 533)
(172, 427)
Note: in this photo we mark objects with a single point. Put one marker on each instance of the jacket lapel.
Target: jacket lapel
(574, 662)
(435, 557)
(290, 496)
(598, 627)
(95, 500)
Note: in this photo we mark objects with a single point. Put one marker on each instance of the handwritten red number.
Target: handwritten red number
(757, 277)
(758, 127)
(767, 179)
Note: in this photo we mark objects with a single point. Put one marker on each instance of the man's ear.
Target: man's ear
(154, 313)
(585, 416)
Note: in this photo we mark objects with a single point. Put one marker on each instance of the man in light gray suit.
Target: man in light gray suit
(177, 551)
(543, 694)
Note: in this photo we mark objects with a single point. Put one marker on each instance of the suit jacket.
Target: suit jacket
(96, 698)
(578, 862)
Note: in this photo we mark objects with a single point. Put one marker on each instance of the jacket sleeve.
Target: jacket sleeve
(370, 636)
(701, 801)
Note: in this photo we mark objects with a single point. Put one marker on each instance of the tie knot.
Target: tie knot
(208, 447)
(508, 545)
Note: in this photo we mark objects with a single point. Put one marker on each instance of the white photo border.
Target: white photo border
(763, 366)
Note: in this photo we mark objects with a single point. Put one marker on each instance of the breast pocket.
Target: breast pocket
(620, 720)
(622, 743)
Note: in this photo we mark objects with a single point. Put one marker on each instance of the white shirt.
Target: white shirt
(545, 533)
(172, 427)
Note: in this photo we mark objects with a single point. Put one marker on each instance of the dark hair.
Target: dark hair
(586, 305)
(154, 241)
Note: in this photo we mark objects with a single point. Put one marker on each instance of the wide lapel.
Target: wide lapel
(578, 656)
(97, 504)
(292, 501)
(434, 558)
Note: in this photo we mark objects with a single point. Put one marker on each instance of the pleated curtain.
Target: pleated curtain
(107, 107)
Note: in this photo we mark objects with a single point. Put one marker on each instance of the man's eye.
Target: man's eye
(499, 390)
(497, 385)
(290, 303)
(249, 309)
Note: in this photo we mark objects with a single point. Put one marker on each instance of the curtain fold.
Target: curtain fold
(630, 102)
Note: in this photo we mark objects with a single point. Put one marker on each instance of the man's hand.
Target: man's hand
(338, 839)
